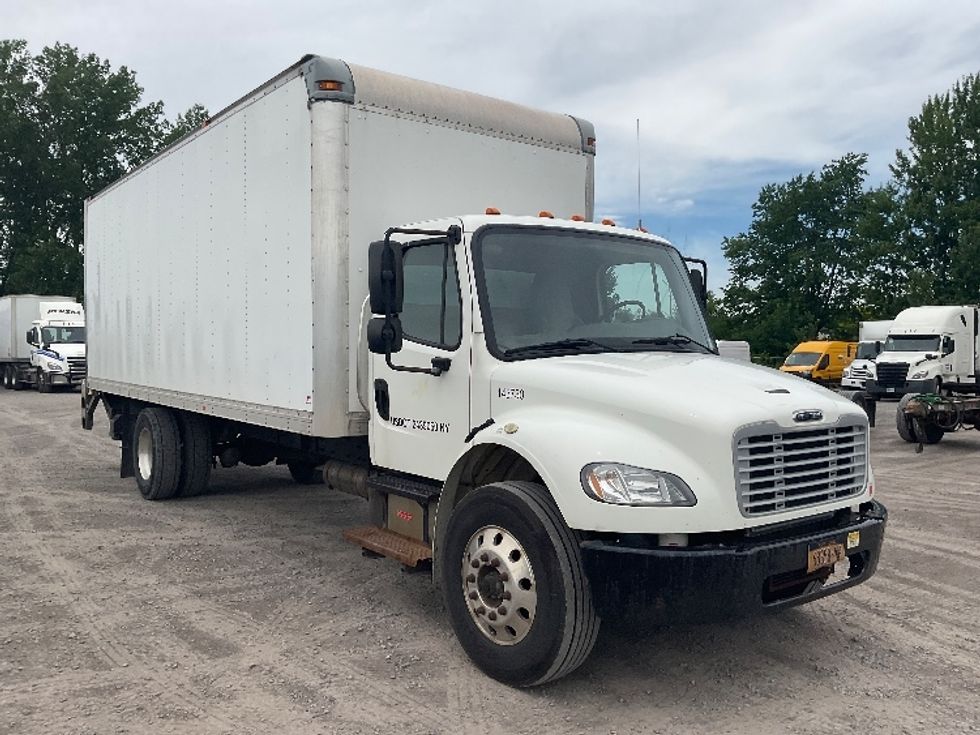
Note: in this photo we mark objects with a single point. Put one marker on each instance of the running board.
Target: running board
(409, 552)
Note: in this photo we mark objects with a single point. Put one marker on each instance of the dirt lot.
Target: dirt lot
(244, 611)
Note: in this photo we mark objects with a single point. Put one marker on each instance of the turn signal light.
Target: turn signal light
(493, 210)
(609, 222)
(330, 85)
(577, 218)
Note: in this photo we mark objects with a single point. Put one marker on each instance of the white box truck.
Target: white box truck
(734, 349)
(42, 342)
(871, 340)
(532, 405)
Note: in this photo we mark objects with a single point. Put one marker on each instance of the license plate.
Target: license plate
(824, 556)
(889, 390)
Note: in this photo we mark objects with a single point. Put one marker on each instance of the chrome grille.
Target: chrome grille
(892, 373)
(77, 367)
(783, 470)
(858, 371)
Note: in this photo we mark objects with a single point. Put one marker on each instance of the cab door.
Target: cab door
(419, 421)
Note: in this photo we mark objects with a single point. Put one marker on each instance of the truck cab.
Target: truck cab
(578, 356)
(57, 340)
(929, 349)
(862, 368)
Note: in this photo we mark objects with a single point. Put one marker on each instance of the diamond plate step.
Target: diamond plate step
(409, 552)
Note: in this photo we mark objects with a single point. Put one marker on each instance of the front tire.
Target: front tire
(156, 453)
(903, 422)
(534, 621)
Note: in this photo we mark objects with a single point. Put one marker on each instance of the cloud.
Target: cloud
(730, 95)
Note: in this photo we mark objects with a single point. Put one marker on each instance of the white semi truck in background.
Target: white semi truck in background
(42, 342)
(531, 404)
(871, 340)
(929, 349)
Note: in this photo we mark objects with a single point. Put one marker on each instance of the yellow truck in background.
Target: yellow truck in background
(820, 361)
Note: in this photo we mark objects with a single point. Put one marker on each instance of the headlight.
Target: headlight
(54, 368)
(847, 372)
(624, 485)
(919, 375)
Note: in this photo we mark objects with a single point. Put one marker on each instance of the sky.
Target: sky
(730, 95)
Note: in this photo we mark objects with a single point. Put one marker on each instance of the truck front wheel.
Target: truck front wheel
(518, 598)
(43, 381)
(156, 453)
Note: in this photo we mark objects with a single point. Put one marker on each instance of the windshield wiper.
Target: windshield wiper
(679, 340)
(560, 345)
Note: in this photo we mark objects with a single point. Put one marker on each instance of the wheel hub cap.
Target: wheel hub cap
(144, 453)
(498, 585)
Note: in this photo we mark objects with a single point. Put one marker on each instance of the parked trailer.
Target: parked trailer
(42, 342)
(927, 418)
(532, 405)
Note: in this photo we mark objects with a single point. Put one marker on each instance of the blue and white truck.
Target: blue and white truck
(42, 342)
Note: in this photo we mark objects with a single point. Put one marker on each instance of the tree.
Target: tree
(69, 126)
(796, 273)
(195, 117)
(938, 180)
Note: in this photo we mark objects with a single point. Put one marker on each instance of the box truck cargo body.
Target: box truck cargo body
(530, 403)
(245, 244)
(42, 342)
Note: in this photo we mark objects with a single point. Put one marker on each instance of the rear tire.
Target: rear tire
(306, 473)
(7, 379)
(195, 454)
(903, 422)
(156, 453)
(553, 593)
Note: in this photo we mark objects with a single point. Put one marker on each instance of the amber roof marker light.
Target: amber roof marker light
(545, 213)
(492, 210)
(577, 218)
(330, 85)
(608, 222)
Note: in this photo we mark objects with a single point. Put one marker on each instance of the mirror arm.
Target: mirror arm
(440, 365)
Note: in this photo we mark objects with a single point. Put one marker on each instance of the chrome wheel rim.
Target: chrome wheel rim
(498, 585)
(144, 453)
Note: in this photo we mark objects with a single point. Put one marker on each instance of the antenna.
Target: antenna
(639, 211)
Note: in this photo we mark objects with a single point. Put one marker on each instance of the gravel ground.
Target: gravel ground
(244, 611)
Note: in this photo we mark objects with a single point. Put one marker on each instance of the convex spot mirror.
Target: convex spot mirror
(386, 279)
(384, 335)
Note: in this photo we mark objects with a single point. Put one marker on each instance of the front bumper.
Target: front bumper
(745, 576)
(872, 388)
(856, 383)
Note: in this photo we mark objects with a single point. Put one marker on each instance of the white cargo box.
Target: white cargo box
(17, 315)
(226, 275)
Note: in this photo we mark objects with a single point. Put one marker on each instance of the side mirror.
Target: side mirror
(384, 335)
(700, 290)
(878, 347)
(386, 277)
(30, 336)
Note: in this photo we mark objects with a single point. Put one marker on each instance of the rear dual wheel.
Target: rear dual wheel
(518, 597)
(171, 453)
(8, 382)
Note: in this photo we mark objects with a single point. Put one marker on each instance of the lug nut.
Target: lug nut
(503, 576)
(480, 610)
(471, 578)
(475, 564)
(484, 557)
(506, 595)
(492, 615)
(473, 595)
(495, 563)
(502, 610)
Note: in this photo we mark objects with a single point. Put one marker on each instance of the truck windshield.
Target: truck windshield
(802, 358)
(63, 335)
(912, 343)
(550, 292)
(867, 351)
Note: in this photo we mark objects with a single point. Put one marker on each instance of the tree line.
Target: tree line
(825, 251)
(70, 125)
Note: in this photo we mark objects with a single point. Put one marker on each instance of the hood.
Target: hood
(66, 350)
(912, 358)
(680, 388)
